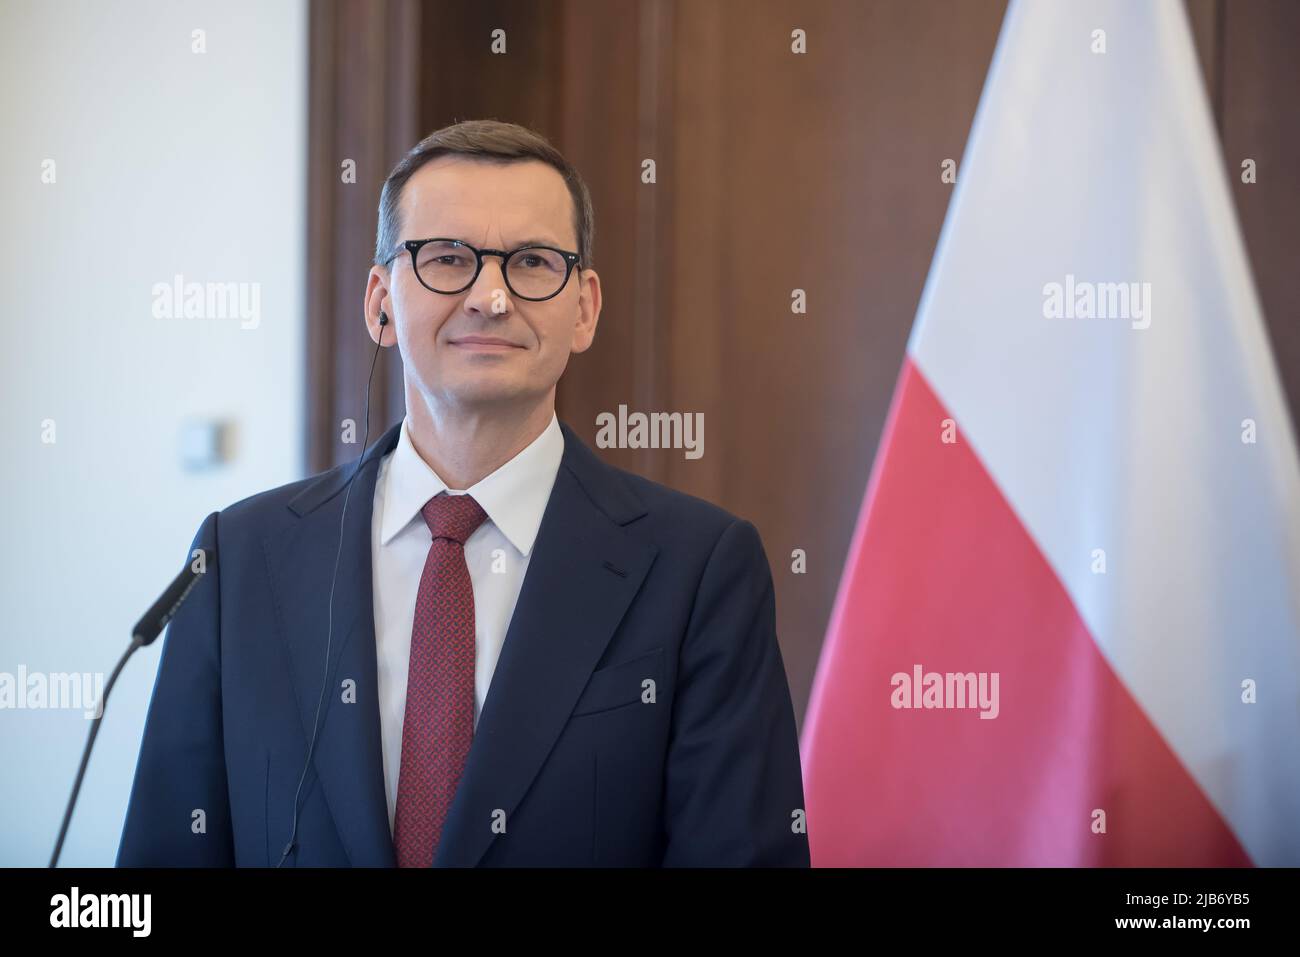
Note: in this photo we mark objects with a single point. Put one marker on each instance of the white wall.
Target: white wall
(167, 161)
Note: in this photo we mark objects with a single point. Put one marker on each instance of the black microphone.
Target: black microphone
(329, 637)
(146, 630)
(164, 609)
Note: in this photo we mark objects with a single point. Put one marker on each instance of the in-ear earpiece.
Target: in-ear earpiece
(329, 633)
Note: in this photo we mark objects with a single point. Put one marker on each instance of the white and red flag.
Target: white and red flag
(1068, 630)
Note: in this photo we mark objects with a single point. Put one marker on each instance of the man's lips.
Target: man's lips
(485, 343)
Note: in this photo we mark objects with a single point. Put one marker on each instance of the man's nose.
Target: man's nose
(490, 295)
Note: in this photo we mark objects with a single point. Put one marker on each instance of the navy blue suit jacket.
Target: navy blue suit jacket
(576, 759)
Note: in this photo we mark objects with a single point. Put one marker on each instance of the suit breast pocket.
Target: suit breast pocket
(621, 684)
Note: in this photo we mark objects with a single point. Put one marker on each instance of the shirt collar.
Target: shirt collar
(514, 496)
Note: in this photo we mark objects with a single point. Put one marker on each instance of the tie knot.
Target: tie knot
(454, 517)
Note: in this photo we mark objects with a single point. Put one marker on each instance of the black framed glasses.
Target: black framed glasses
(449, 266)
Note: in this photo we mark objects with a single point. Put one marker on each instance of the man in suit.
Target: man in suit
(528, 657)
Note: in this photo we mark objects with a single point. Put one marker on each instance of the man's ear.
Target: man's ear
(589, 302)
(378, 302)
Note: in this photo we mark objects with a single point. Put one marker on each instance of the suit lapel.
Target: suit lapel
(348, 754)
(583, 573)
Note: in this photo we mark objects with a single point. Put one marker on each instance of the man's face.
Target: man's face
(442, 337)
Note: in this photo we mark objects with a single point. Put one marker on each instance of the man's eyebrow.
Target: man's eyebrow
(535, 241)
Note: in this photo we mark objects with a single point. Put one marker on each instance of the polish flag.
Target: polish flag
(1068, 630)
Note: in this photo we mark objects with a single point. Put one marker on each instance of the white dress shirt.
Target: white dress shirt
(514, 498)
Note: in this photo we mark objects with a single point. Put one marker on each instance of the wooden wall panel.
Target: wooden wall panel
(817, 172)
(1261, 74)
(363, 61)
(605, 136)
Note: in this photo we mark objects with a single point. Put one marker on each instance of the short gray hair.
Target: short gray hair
(489, 141)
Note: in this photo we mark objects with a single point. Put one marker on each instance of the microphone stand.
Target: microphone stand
(146, 630)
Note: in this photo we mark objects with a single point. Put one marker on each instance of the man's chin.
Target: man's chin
(485, 394)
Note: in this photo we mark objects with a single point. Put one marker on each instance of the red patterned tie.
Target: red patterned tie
(438, 726)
